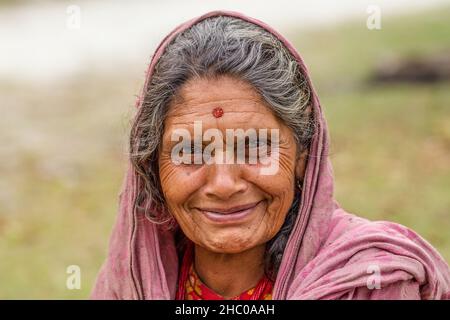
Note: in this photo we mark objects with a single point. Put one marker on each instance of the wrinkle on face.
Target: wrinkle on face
(189, 187)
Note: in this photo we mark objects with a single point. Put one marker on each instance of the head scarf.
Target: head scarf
(330, 254)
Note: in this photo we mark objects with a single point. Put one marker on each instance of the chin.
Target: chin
(229, 244)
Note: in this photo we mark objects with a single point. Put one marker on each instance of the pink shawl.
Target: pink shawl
(330, 254)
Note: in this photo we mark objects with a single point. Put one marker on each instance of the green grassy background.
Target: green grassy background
(63, 151)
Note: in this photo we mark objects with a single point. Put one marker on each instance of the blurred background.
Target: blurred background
(70, 72)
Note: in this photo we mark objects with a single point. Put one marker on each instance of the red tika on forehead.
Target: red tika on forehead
(217, 112)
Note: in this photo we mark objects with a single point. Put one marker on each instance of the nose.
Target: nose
(224, 181)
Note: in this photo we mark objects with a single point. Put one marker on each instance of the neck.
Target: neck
(230, 274)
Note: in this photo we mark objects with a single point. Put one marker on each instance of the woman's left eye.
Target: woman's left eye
(252, 144)
(257, 144)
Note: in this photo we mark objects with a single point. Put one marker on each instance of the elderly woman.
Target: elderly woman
(197, 222)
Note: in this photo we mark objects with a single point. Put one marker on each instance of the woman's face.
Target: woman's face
(228, 207)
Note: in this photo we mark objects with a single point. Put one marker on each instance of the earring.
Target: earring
(299, 185)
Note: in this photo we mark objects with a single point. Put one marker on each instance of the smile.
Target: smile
(228, 215)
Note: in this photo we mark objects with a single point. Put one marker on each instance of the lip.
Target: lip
(228, 215)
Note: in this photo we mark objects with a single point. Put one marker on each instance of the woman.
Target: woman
(194, 225)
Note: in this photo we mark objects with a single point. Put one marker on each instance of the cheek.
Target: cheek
(279, 189)
(177, 183)
(180, 185)
(278, 209)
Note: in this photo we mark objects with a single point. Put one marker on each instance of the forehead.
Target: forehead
(241, 103)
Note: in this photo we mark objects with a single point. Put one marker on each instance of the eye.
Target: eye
(251, 144)
(196, 149)
(194, 152)
(257, 144)
(255, 149)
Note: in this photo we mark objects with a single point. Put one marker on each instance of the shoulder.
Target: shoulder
(347, 227)
(361, 249)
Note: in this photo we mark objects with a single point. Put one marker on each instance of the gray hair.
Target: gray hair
(213, 47)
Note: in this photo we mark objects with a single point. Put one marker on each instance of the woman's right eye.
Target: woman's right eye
(192, 152)
(196, 150)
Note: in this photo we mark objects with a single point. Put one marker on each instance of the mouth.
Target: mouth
(231, 214)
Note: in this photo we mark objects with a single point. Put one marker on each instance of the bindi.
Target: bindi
(217, 112)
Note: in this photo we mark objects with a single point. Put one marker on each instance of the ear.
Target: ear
(300, 166)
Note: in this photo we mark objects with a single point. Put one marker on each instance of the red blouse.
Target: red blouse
(190, 287)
